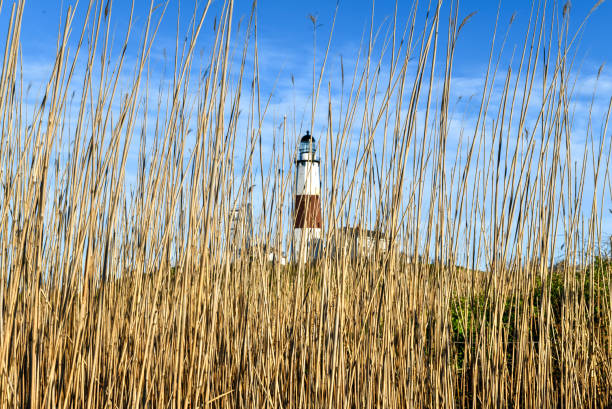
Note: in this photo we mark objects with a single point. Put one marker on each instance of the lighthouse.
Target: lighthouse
(307, 220)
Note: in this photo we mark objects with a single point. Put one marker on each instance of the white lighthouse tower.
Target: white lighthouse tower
(307, 220)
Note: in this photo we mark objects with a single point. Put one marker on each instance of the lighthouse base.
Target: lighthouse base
(307, 245)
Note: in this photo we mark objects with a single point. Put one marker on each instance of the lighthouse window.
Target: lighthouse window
(307, 144)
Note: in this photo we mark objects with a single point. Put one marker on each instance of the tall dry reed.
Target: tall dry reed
(119, 295)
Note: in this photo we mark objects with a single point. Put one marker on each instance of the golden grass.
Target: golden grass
(116, 300)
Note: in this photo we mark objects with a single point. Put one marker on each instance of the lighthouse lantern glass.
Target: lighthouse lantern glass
(307, 146)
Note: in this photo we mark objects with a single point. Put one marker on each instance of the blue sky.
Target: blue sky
(285, 25)
(285, 40)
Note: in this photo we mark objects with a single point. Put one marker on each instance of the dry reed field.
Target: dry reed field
(494, 289)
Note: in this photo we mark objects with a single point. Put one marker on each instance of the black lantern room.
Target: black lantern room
(307, 147)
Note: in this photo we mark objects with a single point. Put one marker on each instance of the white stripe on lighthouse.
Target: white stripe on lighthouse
(308, 178)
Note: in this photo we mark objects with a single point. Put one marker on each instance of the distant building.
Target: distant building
(358, 242)
(272, 257)
(241, 229)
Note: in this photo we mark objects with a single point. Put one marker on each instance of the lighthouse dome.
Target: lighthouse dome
(307, 146)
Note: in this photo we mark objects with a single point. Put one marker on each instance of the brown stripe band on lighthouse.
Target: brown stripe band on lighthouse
(307, 212)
